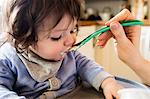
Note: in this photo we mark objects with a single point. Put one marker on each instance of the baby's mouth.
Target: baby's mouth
(64, 52)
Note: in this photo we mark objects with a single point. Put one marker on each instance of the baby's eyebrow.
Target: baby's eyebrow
(59, 30)
(65, 29)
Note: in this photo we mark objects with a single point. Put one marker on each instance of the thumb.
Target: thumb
(118, 31)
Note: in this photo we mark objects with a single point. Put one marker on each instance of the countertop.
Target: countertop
(88, 23)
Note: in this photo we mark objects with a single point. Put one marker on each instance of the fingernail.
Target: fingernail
(107, 23)
(101, 46)
(114, 26)
(97, 44)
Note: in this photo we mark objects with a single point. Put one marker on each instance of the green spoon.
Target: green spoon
(106, 28)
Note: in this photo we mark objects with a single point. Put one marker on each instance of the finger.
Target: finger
(118, 31)
(116, 96)
(108, 96)
(105, 35)
(125, 14)
(103, 38)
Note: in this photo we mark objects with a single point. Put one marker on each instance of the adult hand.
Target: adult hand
(132, 32)
(127, 38)
(127, 43)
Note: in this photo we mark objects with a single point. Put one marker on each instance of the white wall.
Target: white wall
(0, 14)
(145, 42)
(87, 49)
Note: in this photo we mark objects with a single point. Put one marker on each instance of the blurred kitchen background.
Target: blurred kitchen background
(96, 13)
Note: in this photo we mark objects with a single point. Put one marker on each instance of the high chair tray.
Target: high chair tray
(87, 92)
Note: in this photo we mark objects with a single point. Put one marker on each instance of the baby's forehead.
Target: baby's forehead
(66, 22)
(46, 24)
(50, 23)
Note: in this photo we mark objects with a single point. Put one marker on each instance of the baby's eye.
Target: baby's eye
(55, 38)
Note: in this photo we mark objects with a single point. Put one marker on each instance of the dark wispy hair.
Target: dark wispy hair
(23, 16)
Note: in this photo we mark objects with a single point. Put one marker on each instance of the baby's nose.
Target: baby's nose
(69, 40)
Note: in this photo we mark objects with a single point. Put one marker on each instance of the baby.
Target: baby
(36, 60)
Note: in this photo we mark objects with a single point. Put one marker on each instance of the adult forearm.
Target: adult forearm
(142, 69)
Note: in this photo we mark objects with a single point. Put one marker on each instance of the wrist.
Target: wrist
(138, 62)
(135, 59)
(107, 81)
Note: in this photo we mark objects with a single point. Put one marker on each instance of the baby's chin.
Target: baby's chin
(51, 59)
(60, 58)
(55, 58)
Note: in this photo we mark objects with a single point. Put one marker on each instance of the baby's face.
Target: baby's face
(55, 43)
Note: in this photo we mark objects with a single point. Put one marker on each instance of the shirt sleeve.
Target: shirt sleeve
(5, 93)
(90, 71)
(6, 82)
